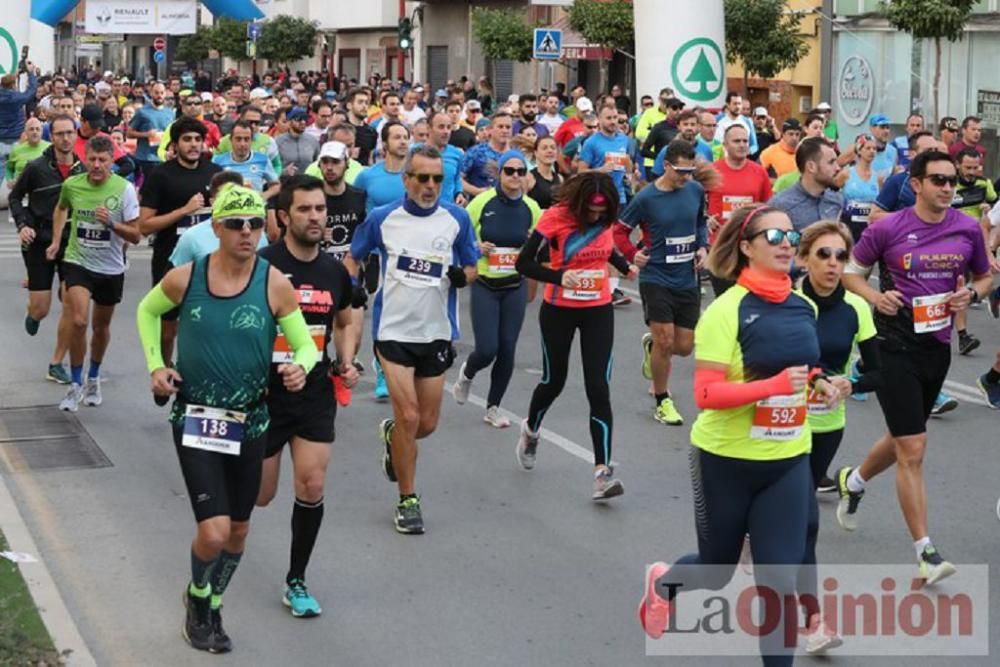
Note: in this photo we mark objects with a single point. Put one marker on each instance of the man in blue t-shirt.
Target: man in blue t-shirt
(383, 181)
(607, 150)
(887, 157)
(255, 168)
(147, 127)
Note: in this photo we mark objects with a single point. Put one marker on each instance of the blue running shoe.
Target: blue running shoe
(854, 377)
(990, 391)
(942, 404)
(381, 388)
(299, 601)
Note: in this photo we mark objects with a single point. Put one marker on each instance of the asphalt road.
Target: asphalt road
(515, 568)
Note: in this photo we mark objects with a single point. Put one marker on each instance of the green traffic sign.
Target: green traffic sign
(6, 37)
(703, 80)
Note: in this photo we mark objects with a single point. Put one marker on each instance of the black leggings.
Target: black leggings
(597, 334)
(824, 447)
(733, 497)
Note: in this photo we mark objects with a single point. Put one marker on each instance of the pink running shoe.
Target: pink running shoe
(654, 611)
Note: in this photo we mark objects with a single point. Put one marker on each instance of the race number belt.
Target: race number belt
(283, 353)
(859, 211)
(590, 287)
(213, 429)
(731, 203)
(679, 249)
(502, 260)
(190, 220)
(93, 235)
(931, 313)
(779, 417)
(416, 269)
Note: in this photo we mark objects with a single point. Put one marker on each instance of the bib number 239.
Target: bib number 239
(419, 271)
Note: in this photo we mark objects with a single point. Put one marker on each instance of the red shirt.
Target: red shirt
(571, 249)
(80, 148)
(569, 130)
(740, 187)
(960, 145)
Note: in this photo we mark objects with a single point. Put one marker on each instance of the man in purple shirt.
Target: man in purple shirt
(924, 253)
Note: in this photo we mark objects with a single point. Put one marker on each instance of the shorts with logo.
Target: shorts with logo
(680, 307)
(41, 271)
(309, 414)
(913, 377)
(105, 290)
(427, 360)
(221, 484)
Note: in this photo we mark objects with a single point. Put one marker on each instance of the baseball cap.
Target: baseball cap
(584, 104)
(791, 124)
(297, 113)
(482, 122)
(333, 149)
(125, 81)
(824, 106)
(108, 73)
(948, 123)
(207, 97)
(759, 111)
(259, 94)
(474, 104)
(674, 103)
(236, 201)
(102, 87)
(94, 116)
(878, 119)
(440, 93)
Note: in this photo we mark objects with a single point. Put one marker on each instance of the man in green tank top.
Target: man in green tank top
(230, 303)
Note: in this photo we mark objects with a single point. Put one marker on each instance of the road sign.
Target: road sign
(254, 30)
(548, 43)
(160, 44)
(251, 49)
(159, 56)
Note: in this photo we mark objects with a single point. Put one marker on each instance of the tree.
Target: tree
(502, 34)
(763, 36)
(194, 48)
(930, 19)
(287, 38)
(606, 22)
(229, 38)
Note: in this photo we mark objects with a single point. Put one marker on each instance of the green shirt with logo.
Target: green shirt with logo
(93, 244)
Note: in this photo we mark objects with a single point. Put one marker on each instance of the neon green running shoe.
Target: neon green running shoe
(647, 356)
(666, 413)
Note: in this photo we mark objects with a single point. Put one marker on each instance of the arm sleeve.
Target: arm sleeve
(713, 392)
(621, 232)
(147, 319)
(293, 325)
(871, 361)
(619, 262)
(529, 266)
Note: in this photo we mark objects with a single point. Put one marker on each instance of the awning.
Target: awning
(50, 12)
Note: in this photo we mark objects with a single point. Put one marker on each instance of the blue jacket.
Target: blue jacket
(12, 110)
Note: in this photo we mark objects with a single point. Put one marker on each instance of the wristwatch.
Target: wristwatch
(975, 295)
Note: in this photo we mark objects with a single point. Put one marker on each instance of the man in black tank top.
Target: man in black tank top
(305, 419)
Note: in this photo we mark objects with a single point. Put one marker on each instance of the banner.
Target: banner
(14, 27)
(165, 17)
(681, 45)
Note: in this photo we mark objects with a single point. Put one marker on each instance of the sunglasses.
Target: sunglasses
(776, 236)
(239, 224)
(591, 127)
(827, 253)
(647, 105)
(683, 171)
(423, 178)
(511, 171)
(941, 180)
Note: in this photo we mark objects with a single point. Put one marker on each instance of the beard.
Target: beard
(528, 118)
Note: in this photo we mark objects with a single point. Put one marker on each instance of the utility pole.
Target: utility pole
(400, 49)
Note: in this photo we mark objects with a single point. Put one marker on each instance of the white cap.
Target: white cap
(584, 104)
(259, 94)
(759, 111)
(207, 97)
(824, 106)
(108, 73)
(513, 98)
(102, 87)
(333, 149)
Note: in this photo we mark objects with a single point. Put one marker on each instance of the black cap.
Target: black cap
(791, 124)
(94, 116)
(674, 103)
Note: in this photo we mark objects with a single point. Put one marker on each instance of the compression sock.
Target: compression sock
(77, 373)
(992, 376)
(920, 545)
(306, 520)
(201, 572)
(854, 482)
(659, 397)
(95, 370)
(224, 569)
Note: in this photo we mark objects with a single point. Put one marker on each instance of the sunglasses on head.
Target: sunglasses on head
(776, 236)
(239, 224)
(941, 180)
(511, 171)
(826, 253)
(423, 178)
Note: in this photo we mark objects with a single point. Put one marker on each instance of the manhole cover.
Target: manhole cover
(46, 438)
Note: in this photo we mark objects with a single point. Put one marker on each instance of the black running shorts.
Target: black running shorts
(912, 379)
(426, 359)
(680, 307)
(309, 414)
(104, 289)
(41, 271)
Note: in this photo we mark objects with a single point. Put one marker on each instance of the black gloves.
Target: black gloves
(359, 296)
(456, 275)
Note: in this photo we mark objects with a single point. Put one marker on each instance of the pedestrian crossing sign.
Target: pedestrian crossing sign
(548, 44)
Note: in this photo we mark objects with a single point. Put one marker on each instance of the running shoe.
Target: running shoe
(220, 640)
(666, 413)
(71, 402)
(847, 507)
(942, 404)
(31, 325)
(995, 303)
(990, 391)
(967, 343)
(57, 373)
(381, 388)
(161, 399)
(460, 390)
(299, 601)
(934, 568)
(606, 486)
(409, 519)
(92, 392)
(360, 367)
(619, 298)
(826, 485)
(854, 377)
(654, 611)
(385, 432)
(495, 418)
(820, 638)
(746, 557)
(197, 629)
(647, 356)
(527, 445)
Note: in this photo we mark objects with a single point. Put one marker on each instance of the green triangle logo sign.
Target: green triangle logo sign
(8, 53)
(698, 70)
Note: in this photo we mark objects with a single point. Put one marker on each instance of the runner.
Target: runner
(428, 249)
(105, 211)
(440, 133)
(544, 179)
(305, 420)
(815, 196)
(479, 170)
(578, 296)
(754, 348)
(924, 252)
(862, 186)
(671, 214)
(147, 126)
(229, 302)
(503, 219)
(255, 167)
(24, 151)
(41, 182)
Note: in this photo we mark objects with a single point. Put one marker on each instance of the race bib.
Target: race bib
(779, 417)
(154, 137)
(93, 235)
(731, 203)
(679, 249)
(502, 260)
(617, 160)
(816, 405)
(213, 429)
(338, 252)
(283, 353)
(189, 221)
(590, 288)
(419, 270)
(858, 211)
(931, 313)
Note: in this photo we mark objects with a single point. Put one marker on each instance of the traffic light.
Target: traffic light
(405, 39)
